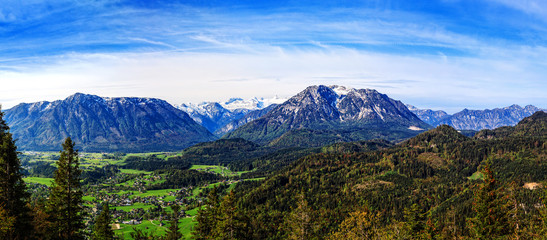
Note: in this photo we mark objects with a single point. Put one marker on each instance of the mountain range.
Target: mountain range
(222, 117)
(104, 124)
(476, 119)
(317, 116)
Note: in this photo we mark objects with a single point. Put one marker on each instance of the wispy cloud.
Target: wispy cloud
(535, 7)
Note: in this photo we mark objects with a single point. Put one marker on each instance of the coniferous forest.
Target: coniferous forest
(437, 185)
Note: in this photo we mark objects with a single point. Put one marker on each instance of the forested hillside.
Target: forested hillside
(437, 185)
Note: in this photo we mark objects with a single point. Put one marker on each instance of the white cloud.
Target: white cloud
(194, 77)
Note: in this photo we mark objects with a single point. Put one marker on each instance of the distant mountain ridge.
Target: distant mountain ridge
(104, 124)
(431, 117)
(346, 114)
(212, 115)
(223, 117)
(477, 119)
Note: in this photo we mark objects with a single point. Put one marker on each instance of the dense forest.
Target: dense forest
(437, 185)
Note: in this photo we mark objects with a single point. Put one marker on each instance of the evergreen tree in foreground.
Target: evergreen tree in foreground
(65, 204)
(490, 221)
(231, 223)
(103, 228)
(173, 232)
(13, 195)
(208, 216)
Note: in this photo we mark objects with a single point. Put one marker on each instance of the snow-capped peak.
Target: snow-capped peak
(341, 90)
(251, 104)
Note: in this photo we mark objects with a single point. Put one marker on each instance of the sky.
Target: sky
(438, 54)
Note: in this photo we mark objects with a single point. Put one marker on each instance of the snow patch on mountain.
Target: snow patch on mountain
(251, 104)
(341, 90)
(414, 128)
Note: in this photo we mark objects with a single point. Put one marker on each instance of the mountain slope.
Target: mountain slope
(104, 124)
(353, 114)
(234, 124)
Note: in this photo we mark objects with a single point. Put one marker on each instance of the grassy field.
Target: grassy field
(186, 226)
(224, 171)
(476, 176)
(39, 180)
(133, 171)
(146, 226)
(159, 193)
(136, 205)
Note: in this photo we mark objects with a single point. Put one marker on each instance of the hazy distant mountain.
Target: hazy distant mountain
(429, 116)
(223, 117)
(104, 124)
(336, 114)
(212, 115)
(489, 119)
(476, 119)
(532, 126)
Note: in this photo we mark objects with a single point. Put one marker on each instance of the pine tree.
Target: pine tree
(173, 231)
(103, 228)
(6, 223)
(491, 220)
(40, 220)
(65, 204)
(207, 216)
(230, 224)
(13, 193)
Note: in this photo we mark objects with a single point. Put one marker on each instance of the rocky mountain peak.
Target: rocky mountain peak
(104, 124)
(327, 107)
(82, 97)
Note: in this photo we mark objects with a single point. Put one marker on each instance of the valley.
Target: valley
(136, 200)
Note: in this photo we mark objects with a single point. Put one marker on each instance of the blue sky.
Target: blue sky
(445, 54)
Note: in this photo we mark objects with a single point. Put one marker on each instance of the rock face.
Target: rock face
(345, 113)
(477, 119)
(104, 124)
